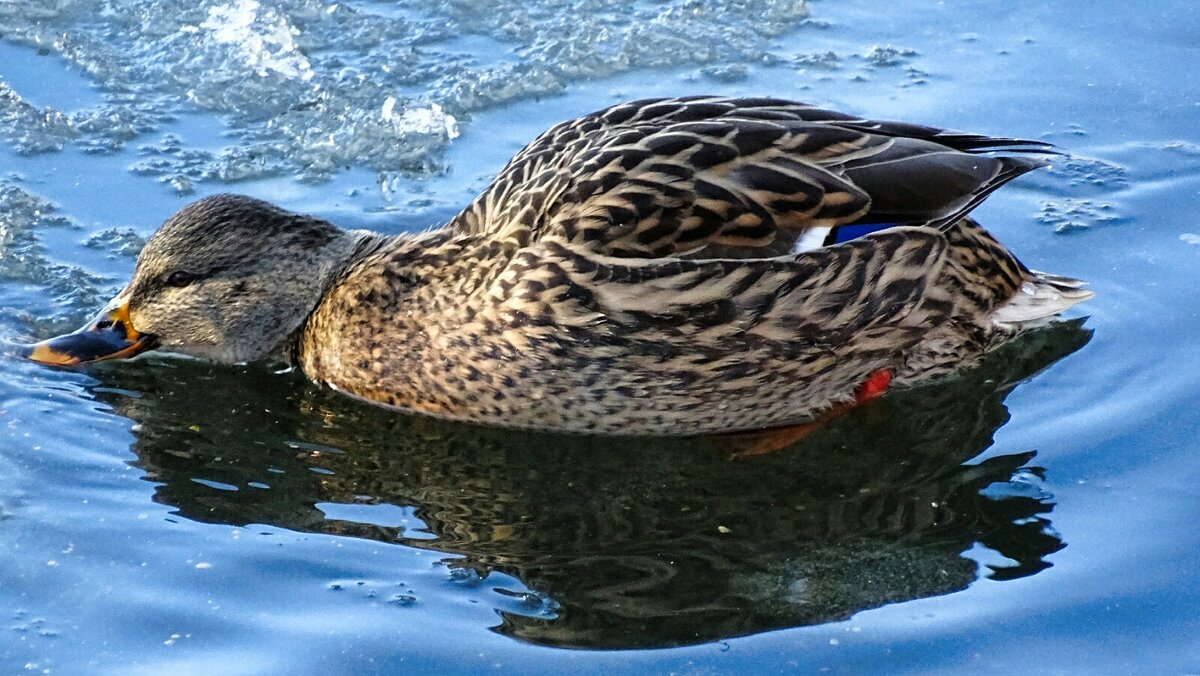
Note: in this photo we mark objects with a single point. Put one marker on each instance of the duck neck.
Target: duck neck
(351, 247)
(386, 309)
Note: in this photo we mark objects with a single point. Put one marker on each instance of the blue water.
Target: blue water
(1035, 515)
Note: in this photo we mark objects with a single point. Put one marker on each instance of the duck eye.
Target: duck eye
(179, 278)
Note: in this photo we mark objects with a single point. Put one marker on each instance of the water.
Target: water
(1033, 515)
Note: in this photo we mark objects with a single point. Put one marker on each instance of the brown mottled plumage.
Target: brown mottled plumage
(631, 271)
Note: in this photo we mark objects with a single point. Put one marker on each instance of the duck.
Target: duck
(669, 266)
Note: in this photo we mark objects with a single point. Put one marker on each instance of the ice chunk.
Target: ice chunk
(311, 87)
(263, 39)
(431, 120)
(23, 260)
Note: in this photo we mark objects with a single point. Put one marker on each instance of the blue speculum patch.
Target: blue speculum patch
(845, 233)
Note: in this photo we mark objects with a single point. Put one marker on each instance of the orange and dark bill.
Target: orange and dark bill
(109, 336)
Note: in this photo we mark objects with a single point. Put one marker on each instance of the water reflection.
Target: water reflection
(640, 543)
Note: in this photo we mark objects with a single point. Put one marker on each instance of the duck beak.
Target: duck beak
(110, 335)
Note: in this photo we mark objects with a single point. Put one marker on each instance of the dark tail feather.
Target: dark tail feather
(1011, 168)
(975, 143)
(938, 188)
(970, 143)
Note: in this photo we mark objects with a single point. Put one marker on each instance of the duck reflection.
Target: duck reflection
(639, 543)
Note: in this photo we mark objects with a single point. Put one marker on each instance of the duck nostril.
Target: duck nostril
(104, 324)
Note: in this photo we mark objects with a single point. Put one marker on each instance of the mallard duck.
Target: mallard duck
(665, 266)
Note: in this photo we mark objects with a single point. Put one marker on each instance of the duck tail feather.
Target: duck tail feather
(1040, 298)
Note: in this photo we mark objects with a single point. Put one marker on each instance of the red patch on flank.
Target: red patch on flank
(874, 386)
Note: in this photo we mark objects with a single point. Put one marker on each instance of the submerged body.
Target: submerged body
(560, 339)
(635, 271)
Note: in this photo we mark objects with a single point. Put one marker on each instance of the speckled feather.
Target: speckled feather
(668, 177)
(633, 272)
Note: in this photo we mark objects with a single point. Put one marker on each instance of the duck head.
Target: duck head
(228, 278)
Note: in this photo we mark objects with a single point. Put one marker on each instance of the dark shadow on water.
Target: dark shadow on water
(639, 543)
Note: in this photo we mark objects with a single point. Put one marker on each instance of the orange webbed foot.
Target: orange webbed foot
(743, 445)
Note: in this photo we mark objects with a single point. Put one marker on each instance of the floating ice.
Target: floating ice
(28, 129)
(118, 241)
(1090, 171)
(1069, 215)
(310, 87)
(265, 41)
(431, 120)
(23, 260)
(888, 56)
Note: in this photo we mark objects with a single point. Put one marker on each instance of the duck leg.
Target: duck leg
(742, 445)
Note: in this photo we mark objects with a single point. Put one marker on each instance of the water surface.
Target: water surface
(1034, 514)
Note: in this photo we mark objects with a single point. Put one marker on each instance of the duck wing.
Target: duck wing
(717, 177)
(866, 296)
